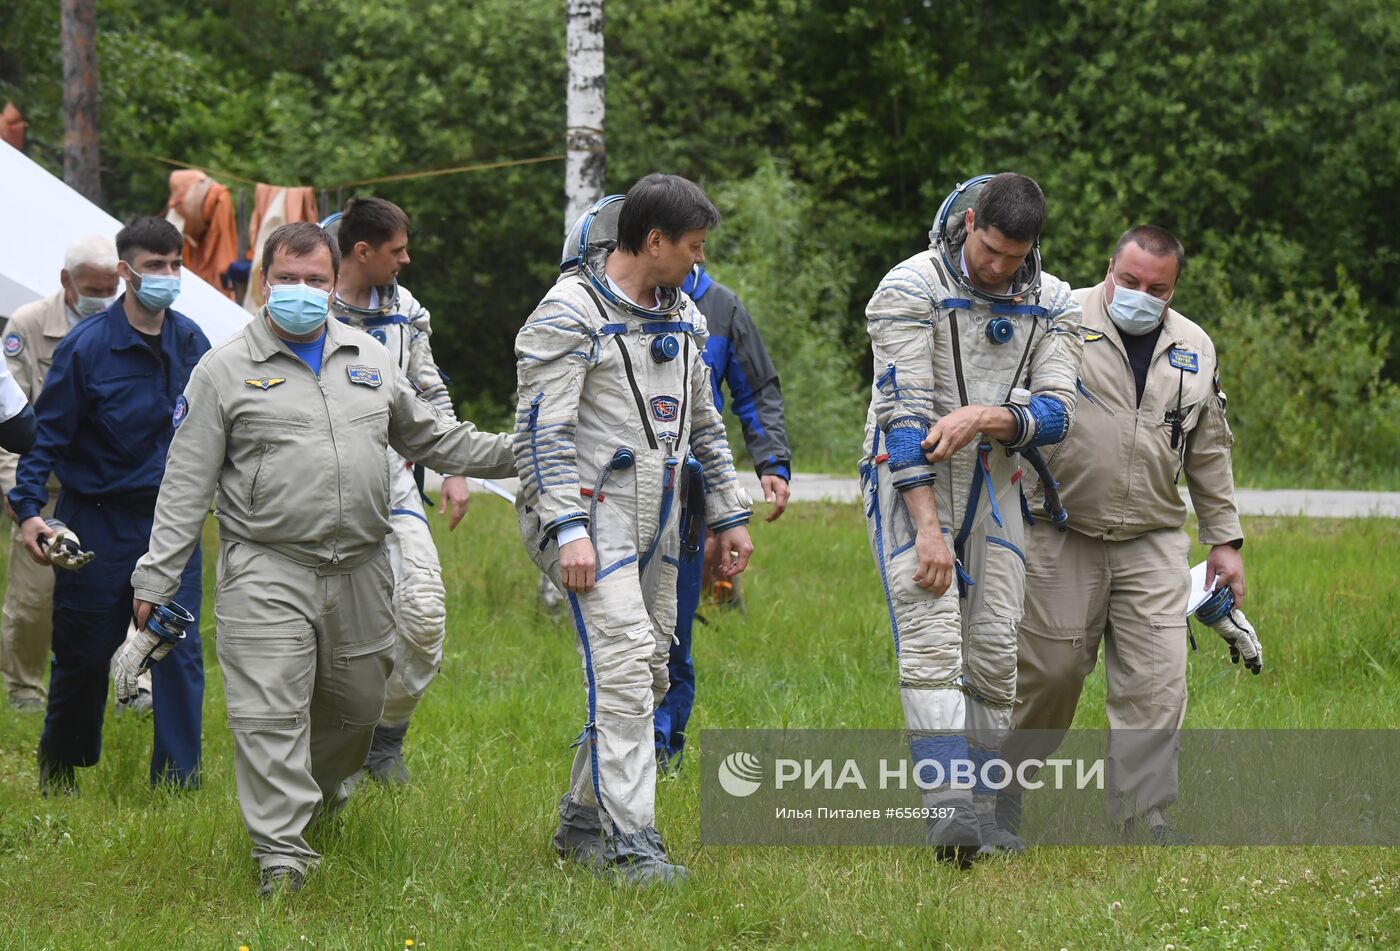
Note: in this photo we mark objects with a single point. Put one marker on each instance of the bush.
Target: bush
(791, 266)
(1302, 367)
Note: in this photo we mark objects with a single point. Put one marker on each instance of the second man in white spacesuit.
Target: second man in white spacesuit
(373, 238)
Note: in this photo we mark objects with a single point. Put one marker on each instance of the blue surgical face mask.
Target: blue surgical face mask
(1135, 312)
(158, 291)
(297, 308)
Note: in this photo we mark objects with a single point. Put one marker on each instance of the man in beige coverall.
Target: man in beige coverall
(289, 420)
(89, 279)
(1151, 409)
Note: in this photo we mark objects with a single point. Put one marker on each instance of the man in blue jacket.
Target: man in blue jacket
(104, 422)
(737, 358)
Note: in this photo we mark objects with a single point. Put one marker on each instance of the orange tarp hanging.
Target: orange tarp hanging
(203, 211)
(12, 126)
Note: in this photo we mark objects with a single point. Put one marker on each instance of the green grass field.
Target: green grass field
(461, 858)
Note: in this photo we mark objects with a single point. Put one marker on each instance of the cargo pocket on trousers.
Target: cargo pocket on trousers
(353, 691)
(268, 674)
(1170, 634)
(345, 655)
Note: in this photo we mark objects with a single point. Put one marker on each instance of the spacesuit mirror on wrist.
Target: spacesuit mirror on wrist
(586, 248)
(947, 237)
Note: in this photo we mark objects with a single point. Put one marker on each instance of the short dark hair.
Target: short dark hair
(372, 220)
(148, 233)
(297, 240)
(673, 204)
(1013, 204)
(1153, 240)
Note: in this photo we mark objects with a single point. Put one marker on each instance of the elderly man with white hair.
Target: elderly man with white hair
(89, 279)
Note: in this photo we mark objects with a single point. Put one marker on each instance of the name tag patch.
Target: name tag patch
(1184, 360)
(266, 383)
(665, 409)
(14, 343)
(364, 376)
(182, 409)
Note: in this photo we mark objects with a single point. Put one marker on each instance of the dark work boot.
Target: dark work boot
(55, 778)
(385, 759)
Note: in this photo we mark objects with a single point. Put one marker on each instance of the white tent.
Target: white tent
(40, 217)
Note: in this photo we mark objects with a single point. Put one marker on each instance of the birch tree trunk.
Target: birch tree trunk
(586, 158)
(81, 160)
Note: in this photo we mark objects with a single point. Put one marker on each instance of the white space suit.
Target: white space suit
(940, 344)
(401, 323)
(611, 396)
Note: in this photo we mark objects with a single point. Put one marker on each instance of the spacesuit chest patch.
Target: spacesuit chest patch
(665, 409)
(364, 376)
(1184, 360)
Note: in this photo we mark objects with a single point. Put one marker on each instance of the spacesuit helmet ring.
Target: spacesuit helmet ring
(586, 248)
(950, 231)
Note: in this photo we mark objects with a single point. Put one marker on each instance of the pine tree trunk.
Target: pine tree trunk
(81, 159)
(587, 158)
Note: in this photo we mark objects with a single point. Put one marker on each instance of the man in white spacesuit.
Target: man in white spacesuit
(976, 353)
(612, 391)
(373, 237)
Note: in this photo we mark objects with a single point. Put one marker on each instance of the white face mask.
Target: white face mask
(1135, 312)
(87, 306)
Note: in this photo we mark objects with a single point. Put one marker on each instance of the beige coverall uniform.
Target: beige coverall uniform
(303, 603)
(1120, 575)
(26, 632)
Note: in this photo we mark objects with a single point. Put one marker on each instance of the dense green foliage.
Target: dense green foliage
(1264, 133)
(461, 858)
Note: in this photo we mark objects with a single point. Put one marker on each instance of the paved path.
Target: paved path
(1310, 502)
(807, 487)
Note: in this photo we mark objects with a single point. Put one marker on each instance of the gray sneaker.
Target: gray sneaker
(28, 704)
(639, 858)
(579, 837)
(385, 759)
(279, 878)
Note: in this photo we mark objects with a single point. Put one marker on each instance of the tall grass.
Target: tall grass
(461, 857)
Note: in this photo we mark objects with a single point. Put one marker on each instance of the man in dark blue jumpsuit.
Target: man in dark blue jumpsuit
(737, 357)
(105, 420)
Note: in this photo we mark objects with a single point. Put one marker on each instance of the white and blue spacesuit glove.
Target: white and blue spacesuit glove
(164, 629)
(1219, 613)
